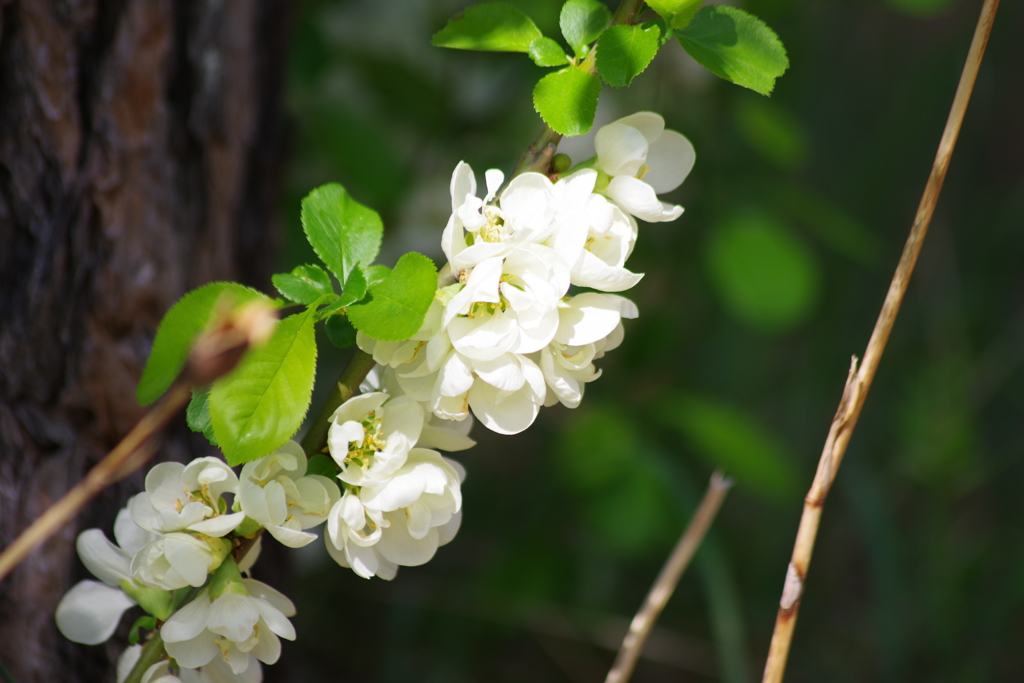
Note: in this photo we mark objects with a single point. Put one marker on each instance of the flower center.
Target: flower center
(361, 454)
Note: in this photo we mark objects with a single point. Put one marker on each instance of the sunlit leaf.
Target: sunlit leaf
(344, 233)
(546, 52)
(399, 302)
(179, 328)
(623, 52)
(581, 22)
(262, 403)
(494, 27)
(567, 100)
(678, 13)
(736, 46)
(304, 285)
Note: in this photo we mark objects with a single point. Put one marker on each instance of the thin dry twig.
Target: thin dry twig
(667, 580)
(858, 382)
(213, 356)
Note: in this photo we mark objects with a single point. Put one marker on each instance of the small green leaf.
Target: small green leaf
(623, 52)
(304, 285)
(198, 413)
(344, 233)
(764, 274)
(261, 404)
(355, 287)
(147, 622)
(678, 13)
(493, 27)
(340, 331)
(400, 301)
(735, 46)
(546, 52)
(582, 21)
(178, 331)
(567, 100)
(322, 465)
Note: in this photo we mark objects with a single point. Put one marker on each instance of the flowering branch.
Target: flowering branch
(859, 379)
(665, 584)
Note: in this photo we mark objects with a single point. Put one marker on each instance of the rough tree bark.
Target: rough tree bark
(140, 149)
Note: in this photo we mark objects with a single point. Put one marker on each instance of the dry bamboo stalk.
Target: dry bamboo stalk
(859, 380)
(667, 580)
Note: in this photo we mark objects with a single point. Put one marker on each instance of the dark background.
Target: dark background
(752, 305)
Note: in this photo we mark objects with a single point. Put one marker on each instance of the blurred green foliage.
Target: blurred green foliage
(752, 304)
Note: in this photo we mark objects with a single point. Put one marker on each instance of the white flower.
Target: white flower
(610, 239)
(437, 433)
(531, 210)
(177, 560)
(242, 622)
(643, 160)
(187, 498)
(217, 671)
(276, 492)
(371, 436)
(90, 612)
(398, 522)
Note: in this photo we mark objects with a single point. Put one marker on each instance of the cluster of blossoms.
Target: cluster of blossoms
(507, 336)
(504, 336)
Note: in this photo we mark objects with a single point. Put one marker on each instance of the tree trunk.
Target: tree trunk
(140, 154)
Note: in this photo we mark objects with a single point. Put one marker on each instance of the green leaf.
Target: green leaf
(765, 275)
(304, 285)
(376, 275)
(355, 287)
(322, 465)
(147, 622)
(344, 233)
(567, 100)
(546, 52)
(198, 413)
(178, 331)
(493, 27)
(735, 46)
(623, 52)
(729, 438)
(678, 13)
(400, 301)
(340, 331)
(261, 404)
(581, 22)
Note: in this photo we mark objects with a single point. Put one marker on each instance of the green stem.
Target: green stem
(315, 439)
(152, 652)
(626, 12)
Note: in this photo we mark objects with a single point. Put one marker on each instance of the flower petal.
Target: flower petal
(591, 316)
(90, 612)
(671, 159)
(638, 198)
(106, 561)
(621, 149)
(219, 525)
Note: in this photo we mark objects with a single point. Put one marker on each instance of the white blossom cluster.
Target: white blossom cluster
(172, 537)
(400, 501)
(507, 335)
